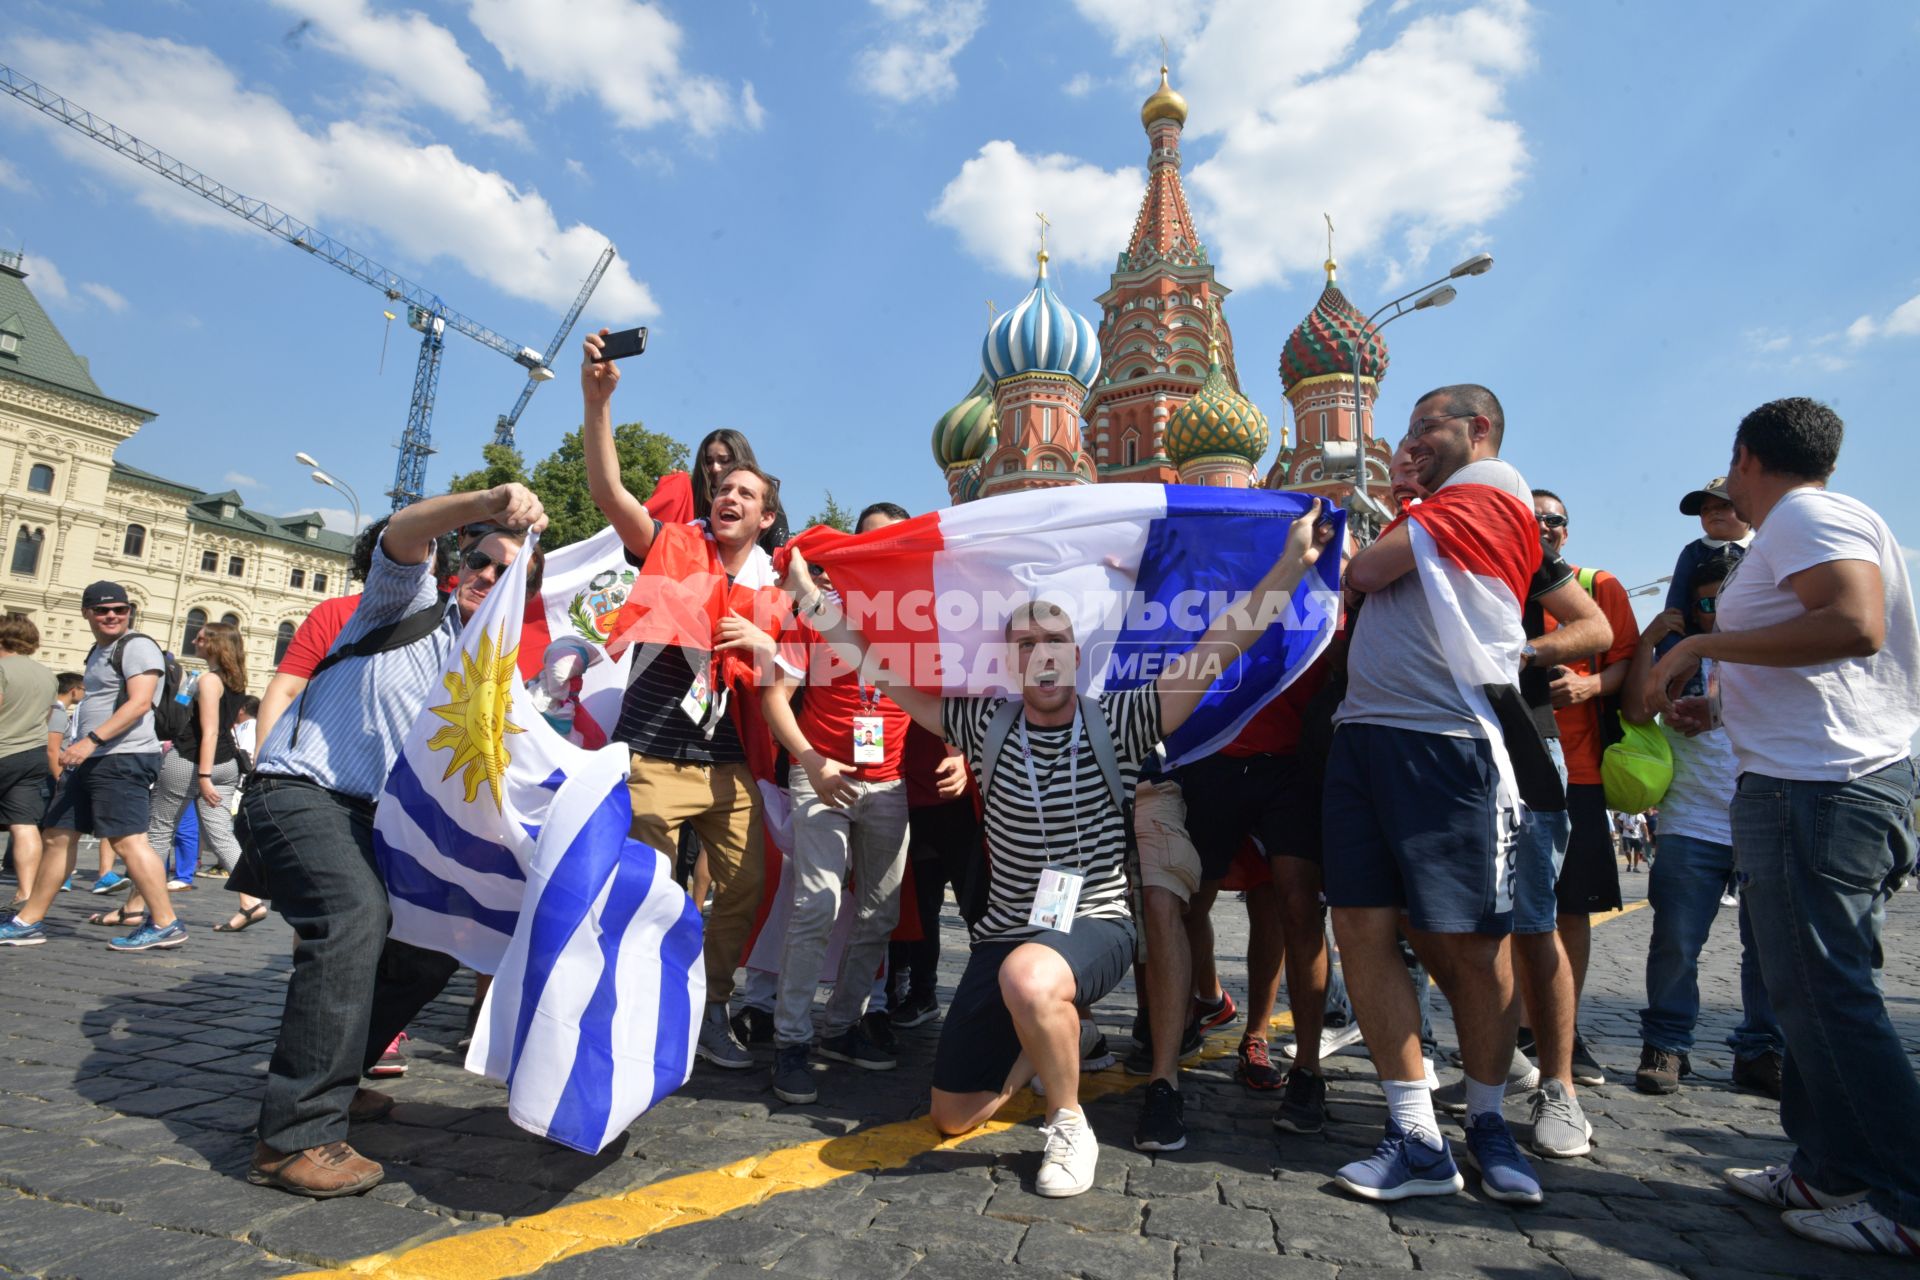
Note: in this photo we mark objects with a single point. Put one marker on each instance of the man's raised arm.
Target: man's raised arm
(828, 619)
(623, 511)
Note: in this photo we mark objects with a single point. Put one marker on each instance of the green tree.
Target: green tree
(501, 464)
(833, 515)
(560, 479)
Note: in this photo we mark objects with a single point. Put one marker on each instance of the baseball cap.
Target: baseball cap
(1714, 488)
(103, 593)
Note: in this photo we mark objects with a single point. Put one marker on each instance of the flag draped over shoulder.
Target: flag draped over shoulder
(505, 846)
(1477, 548)
(1142, 570)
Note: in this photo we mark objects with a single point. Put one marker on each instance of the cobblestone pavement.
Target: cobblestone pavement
(128, 1086)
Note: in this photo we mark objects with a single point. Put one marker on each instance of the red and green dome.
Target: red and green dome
(1326, 340)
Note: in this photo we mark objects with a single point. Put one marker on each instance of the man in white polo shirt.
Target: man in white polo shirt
(1817, 655)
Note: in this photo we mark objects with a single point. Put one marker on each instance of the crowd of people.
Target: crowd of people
(1429, 803)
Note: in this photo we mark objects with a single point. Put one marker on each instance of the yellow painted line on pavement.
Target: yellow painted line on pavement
(525, 1245)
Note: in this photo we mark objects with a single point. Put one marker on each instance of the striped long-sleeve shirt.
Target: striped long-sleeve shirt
(354, 716)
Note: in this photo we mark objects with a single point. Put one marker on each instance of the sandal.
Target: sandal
(118, 918)
(248, 918)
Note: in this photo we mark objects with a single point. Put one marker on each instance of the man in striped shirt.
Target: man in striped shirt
(309, 806)
(1041, 955)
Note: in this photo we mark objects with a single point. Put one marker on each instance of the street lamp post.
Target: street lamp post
(321, 477)
(1435, 293)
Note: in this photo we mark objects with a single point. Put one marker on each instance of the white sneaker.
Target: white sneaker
(1779, 1187)
(1332, 1040)
(1857, 1228)
(1071, 1156)
(1432, 1080)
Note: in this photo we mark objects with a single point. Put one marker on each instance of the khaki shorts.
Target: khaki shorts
(1168, 859)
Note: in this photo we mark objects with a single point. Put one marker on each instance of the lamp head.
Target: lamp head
(1438, 298)
(1478, 265)
(321, 477)
(305, 459)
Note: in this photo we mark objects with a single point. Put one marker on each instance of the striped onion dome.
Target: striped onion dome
(1325, 341)
(1042, 335)
(1217, 419)
(968, 430)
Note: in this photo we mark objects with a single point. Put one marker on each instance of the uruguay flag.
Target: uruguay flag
(1141, 569)
(505, 846)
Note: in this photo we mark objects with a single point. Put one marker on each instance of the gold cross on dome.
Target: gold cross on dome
(1044, 224)
(1329, 218)
(1163, 53)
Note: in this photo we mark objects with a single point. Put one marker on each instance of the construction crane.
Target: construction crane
(426, 313)
(503, 426)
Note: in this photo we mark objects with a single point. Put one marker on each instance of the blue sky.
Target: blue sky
(1693, 208)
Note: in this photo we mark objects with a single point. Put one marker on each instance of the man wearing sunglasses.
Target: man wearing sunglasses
(109, 771)
(309, 806)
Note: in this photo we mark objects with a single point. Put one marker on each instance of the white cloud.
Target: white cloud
(340, 520)
(623, 53)
(424, 201)
(415, 57)
(50, 285)
(1405, 144)
(12, 180)
(1779, 349)
(239, 480)
(1902, 322)
(914, 60)
(991, 202)
(1078, 87)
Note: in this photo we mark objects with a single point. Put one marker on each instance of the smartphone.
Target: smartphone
(623, 343)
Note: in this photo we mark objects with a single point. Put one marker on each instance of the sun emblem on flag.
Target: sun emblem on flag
(479, 699)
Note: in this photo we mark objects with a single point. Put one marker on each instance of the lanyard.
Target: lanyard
(1073, 781)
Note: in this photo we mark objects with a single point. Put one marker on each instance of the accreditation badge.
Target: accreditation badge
(869, 740)
(1055, 900)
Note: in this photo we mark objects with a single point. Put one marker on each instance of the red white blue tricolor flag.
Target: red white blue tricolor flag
(505, 845)
(1142, 570)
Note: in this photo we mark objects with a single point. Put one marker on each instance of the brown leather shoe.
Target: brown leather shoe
(369, 1104)
(335, 1169)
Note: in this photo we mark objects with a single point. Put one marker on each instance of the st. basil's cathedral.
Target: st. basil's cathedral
(1153, 393)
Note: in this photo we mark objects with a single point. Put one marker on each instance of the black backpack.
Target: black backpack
(171, 715)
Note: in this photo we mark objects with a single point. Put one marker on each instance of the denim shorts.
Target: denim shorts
(1409, 823)
(1537, 857)
(106, 796)
(23, 788)
(978, 1042)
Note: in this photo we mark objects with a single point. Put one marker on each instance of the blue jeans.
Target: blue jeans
(1684, 890)
(1817, 861)
(1538, 855)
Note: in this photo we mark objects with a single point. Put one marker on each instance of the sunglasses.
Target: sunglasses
(1552, 521)
(1706, 604)
(478, 561)
(111, 610)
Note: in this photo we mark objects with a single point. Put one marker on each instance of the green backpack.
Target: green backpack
(1636, 766)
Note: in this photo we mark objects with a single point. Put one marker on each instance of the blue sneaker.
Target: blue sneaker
(146, 938)
(109, 882)
(66, 886)
(17, 933)
(1504, 1172)
(1399, 1167)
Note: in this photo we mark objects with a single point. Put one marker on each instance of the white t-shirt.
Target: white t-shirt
(1835, 721)
(1704, 774)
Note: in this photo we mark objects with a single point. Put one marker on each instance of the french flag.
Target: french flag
(1142, 570)
(1476, 548)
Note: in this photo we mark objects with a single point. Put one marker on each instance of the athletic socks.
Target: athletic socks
(1410, 1103)
(1482, 1098)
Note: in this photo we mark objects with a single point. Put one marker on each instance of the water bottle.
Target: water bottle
(187, 685)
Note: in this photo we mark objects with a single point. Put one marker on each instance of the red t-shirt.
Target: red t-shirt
(1276, 728)
(834, 710)
(1580, 723)
(925, 753)
(316, 635)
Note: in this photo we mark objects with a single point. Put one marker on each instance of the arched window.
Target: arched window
(281, 639)
(135, 543)
(26, 550)
(196, 619)
(40, 478)
(1130, 451)
(230, 620)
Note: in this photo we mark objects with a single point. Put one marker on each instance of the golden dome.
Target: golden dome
(1165, 104)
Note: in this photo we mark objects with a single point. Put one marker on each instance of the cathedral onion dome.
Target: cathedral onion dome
(968, 430)
(1042, 335)
(1165, 104)
(971, 480)
(1326, 340)
(1216, 420)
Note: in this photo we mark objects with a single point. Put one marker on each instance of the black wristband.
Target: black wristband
(94, 738)
(203, 775)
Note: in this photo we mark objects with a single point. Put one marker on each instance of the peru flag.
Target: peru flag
(1142, 570)
(1477, 548)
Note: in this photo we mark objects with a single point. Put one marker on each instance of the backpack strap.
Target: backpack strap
(115, 657)
(998, 730)
(384, 638)
(1100, 739)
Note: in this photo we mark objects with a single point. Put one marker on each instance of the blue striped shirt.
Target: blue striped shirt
(354, 717)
